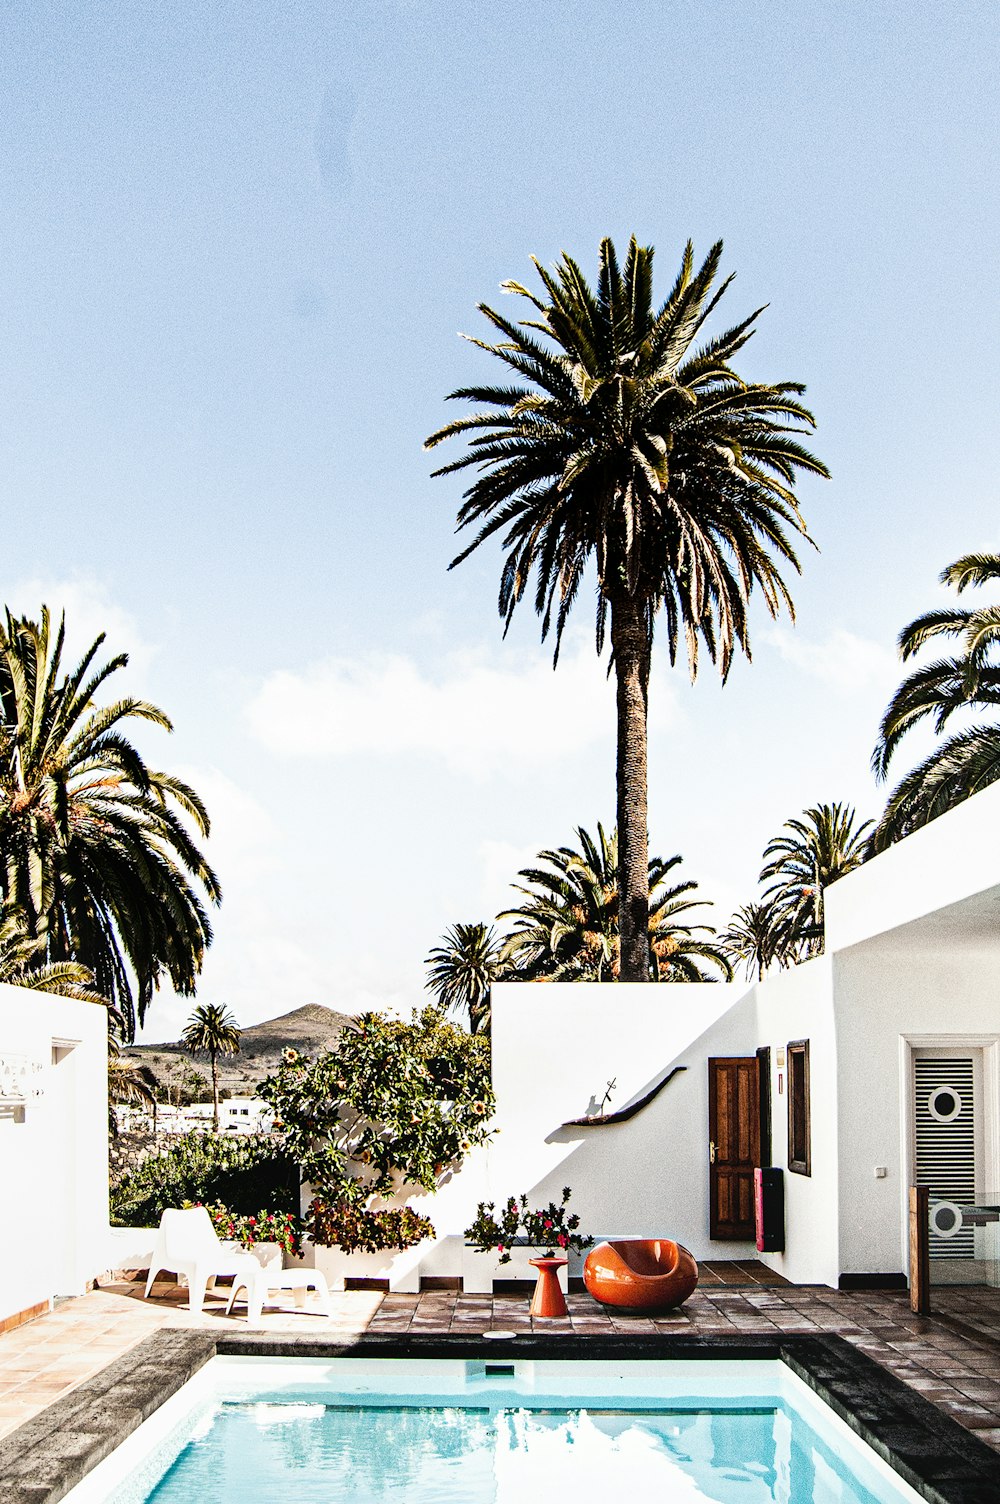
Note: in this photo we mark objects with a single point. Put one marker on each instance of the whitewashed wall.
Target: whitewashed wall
(886, 996)
(54, 1155)
(555, 1045)
(792, 1005)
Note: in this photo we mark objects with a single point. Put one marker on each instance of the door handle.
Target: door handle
(711, 1151)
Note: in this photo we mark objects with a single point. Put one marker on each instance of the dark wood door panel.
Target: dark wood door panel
(734, 1136)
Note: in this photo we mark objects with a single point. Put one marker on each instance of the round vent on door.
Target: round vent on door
(946, 1219)
(944, 1104)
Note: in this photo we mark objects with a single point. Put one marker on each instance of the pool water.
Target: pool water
(389, 1431)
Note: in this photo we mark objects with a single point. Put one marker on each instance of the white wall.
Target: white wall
(54, 1155)
(792, 1005)
(952, 858)
(884, 995)
(555, 1045)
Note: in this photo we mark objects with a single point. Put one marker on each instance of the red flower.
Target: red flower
(562, 1240)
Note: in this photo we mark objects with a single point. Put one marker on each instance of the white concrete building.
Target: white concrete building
(53, 1149)
(887, 1047)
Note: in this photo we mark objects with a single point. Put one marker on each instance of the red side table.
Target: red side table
(548, 1298)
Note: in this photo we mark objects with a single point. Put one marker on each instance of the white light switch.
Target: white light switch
(880, 1172)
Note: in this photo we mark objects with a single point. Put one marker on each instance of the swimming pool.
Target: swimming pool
(476, 1430)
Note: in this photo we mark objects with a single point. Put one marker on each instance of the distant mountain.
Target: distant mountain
(310, 1030)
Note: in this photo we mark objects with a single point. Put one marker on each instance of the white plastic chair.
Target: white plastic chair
(187, 1244)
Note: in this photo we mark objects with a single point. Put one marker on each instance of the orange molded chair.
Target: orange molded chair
(640, 1274)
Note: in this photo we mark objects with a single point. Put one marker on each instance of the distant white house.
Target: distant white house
(236, 1115)
(245, 1115)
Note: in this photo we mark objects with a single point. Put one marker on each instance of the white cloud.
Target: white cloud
(843, 660)
(90, 611)
(479, 713)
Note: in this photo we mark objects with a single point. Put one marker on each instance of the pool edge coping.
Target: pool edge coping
(46, 1456)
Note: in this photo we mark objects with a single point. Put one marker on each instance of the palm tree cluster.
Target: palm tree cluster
(97, 865)
(963, 684)
(787, 923)
(566, 928)
(627, 443)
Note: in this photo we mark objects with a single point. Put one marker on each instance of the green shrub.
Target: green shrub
(245, 1173)
(396, 1101)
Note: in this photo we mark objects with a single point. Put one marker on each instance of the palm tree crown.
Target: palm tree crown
(567, 927)
(213, 1030)
(461, 969)
(95, 862)
(751, 938)
(811, 853)
(968, 680)
(622, 445)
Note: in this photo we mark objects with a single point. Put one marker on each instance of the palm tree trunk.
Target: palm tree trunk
(215, 1092)
(631, 649)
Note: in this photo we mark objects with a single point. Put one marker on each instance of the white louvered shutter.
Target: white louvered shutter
(945, 1121)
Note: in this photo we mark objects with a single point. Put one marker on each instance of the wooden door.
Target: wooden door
(734, 1144)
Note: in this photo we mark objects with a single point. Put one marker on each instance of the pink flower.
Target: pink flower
(547, 1223)
(499, 1248)
(562, 1240)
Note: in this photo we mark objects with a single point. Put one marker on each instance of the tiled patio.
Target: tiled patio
(952, 1358)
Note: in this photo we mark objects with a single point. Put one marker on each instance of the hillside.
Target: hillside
(310, 1029)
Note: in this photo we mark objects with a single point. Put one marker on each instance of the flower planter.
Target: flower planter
(400, 1266)
(479, 1270)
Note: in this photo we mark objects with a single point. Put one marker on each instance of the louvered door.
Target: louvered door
(945, 1141)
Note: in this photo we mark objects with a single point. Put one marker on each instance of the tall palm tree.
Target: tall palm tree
(96, 862)
(212, 1030)
(811, 853)
(624, 445)
(751, 938)
(567, 927)
(461, 970)
(967, 681)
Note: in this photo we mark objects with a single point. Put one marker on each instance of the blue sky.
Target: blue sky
(238, 245)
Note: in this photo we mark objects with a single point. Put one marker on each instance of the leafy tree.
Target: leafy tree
(966, 681)
(461, 969)
(567, 928)
(811, 853)
(95, 862)
(394, 1103)
(751, 939)
(623, 445)
(214, 1031)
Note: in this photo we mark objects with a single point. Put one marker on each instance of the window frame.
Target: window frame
(799, 1154)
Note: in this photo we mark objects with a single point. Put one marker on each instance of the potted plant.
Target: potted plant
(351, 1241)
(269, 1236)
(516, 1234)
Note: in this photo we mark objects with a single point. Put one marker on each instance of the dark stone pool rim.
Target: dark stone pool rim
(48, 1455)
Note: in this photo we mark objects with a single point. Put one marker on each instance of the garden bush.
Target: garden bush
(396, 1102)
(244, 1173)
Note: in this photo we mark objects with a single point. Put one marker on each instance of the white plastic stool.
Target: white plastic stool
(295, 1280)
